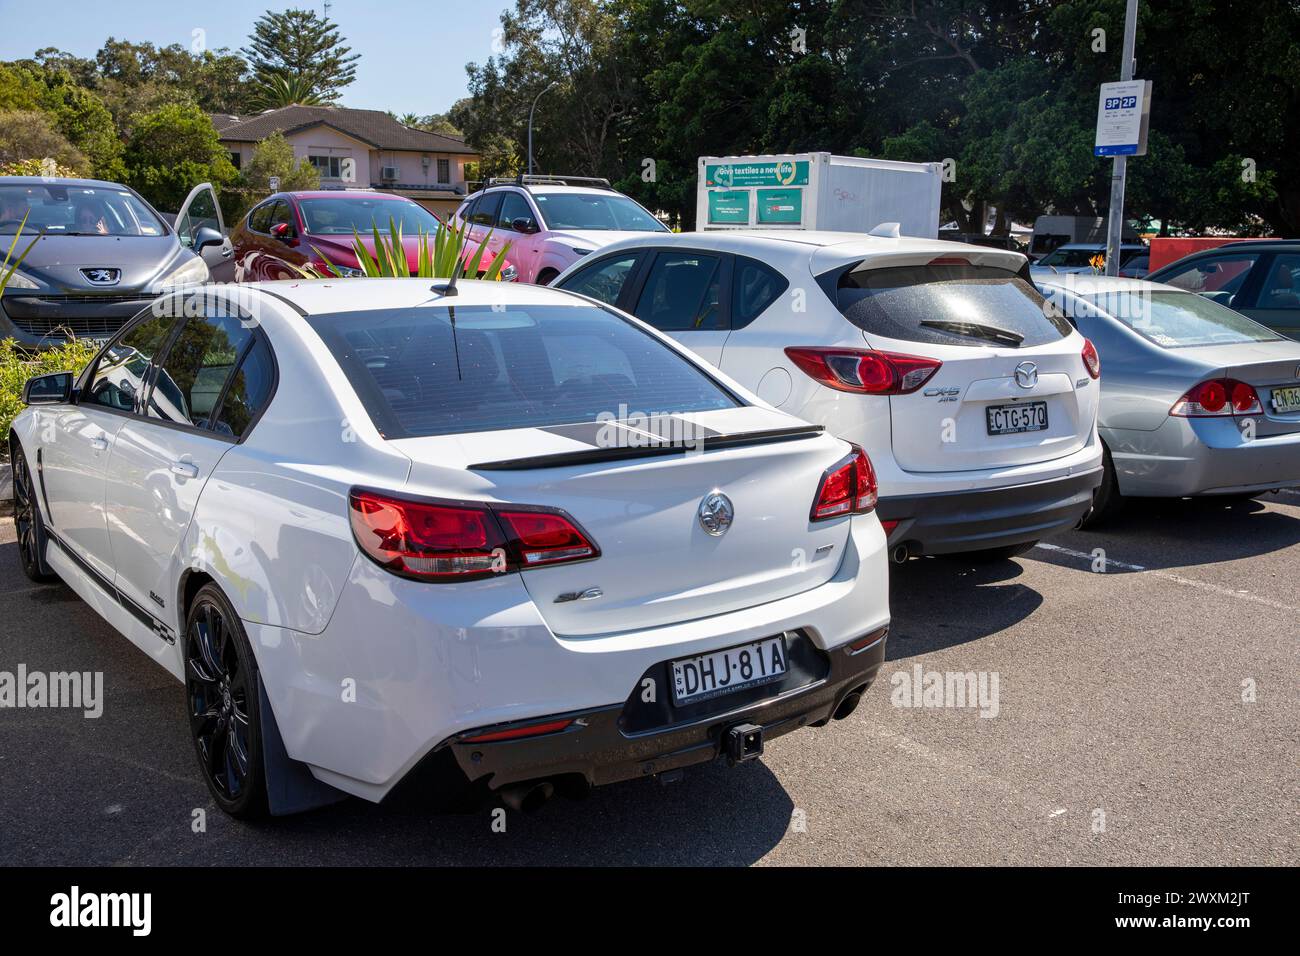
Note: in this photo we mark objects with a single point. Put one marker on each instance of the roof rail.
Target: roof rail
(526, 180)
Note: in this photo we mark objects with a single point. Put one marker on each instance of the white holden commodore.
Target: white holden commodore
(486, 538)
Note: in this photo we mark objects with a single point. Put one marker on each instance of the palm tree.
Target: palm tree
(278, 89)
(411, 119)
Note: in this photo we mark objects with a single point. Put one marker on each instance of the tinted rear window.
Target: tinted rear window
(950, 305)
(522, 367)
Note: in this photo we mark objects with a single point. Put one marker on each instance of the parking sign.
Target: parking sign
(1123, 111)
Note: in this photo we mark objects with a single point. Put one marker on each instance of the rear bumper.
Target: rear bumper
(1202, 456)
(953, 522)
(600, 747)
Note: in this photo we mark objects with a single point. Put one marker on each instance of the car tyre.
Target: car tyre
(28, 524)
(1107, 502)
(224, 703)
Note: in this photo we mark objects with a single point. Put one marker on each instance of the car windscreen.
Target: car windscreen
(949, 304)
(594, 211)
(1177, 320)
(342, 217)
(440, 370)
(58, 209)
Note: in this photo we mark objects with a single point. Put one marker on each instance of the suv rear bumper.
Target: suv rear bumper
(598, 747)
(952, 522)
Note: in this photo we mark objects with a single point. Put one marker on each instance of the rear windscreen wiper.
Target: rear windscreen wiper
(975, 330)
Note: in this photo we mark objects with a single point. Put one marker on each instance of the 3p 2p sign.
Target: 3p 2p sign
(1123, 114)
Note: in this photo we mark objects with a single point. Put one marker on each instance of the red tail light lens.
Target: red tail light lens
(460, 541)
(847, 487)
(1091, 360)
(865, 371)
(546, 537)
(515, 733)
(1220, 396)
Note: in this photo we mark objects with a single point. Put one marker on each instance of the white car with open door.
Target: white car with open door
(976, 399)
(492, 536)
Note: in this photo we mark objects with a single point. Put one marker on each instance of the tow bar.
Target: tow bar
(743, 742)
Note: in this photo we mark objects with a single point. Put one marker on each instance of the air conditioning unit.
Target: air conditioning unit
(388, 172)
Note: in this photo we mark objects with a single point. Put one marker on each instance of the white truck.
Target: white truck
(817, 191)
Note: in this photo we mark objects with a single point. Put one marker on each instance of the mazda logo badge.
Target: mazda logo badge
(716, 514)
(1026, 374)
(102, 276)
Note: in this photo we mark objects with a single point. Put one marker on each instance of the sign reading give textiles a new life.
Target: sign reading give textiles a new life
(785, 172)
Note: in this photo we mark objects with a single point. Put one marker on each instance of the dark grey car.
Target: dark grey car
(101, 254)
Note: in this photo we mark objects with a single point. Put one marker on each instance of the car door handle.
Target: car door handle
(185, 469)
(99, 444)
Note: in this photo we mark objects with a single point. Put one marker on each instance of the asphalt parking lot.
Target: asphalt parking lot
(1121, 734)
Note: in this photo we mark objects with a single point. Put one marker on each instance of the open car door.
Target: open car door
(202, 211)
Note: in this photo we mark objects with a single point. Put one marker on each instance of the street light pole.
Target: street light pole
(1119, 167)
(530, 123)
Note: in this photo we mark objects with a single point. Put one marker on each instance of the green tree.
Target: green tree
(30, 135)
(76, 112)
(172, 149)
(276, 91)
(271, 157)
(301, 45)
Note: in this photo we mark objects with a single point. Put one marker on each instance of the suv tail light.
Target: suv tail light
(462, 541)
(1091, 360)
(1219, 396)
(847, 487)
(865, 371)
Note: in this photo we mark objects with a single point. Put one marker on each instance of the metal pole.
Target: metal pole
(1119, 165)
(530, 125)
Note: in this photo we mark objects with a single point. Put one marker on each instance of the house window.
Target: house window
(236, 158)
(444, 170)
(329, 167)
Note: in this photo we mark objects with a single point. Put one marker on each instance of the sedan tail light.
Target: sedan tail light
(460, 541)
(1091, 360)
(865, 371)
(1218, 397)
(847, 487)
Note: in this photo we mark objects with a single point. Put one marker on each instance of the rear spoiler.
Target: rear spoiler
(619, 453)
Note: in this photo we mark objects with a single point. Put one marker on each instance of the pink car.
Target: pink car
(290, 230)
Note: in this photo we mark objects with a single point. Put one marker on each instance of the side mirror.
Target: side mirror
(282, 231)
(524, 225)
(54, 388)
(206, 236)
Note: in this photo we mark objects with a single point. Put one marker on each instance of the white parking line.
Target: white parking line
(1176, 578)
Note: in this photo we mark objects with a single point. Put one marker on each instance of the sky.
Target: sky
(413, 53)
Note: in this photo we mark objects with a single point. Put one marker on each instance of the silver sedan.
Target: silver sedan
(1196, 399)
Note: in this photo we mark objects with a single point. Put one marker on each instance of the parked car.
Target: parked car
(1197, 399)
(289, 231)
(380, 532)
(975, 401)
(1136, 266)
(1259, 278)
(552, 222)
(103, 254)
(1080, 257)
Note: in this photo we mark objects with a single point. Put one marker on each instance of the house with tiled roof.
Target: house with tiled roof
(358, 149)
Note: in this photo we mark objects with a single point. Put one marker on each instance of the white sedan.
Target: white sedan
(493, 538)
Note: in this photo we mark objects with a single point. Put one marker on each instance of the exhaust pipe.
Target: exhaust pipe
(900, 554)
(848, 705)
(526, 797)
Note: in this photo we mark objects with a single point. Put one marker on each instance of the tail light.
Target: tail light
(866, 371)
(1091, 360)
(847, 487)
(1217, 397)
(461, 541)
